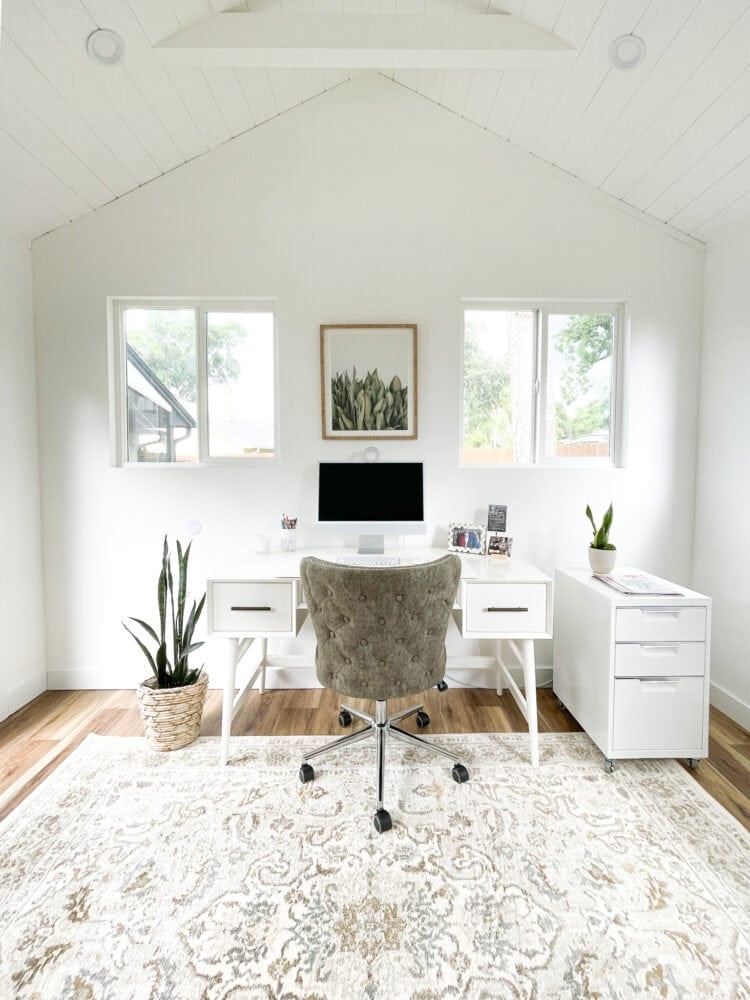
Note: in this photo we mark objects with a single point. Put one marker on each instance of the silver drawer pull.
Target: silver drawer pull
(237, 607)
(510, 610)
(658, 650)
(661, 612)
(658, 683)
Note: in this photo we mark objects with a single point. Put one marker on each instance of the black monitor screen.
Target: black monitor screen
(376, 491)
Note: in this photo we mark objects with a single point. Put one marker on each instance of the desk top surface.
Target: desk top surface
(285, 565)
(671, 593)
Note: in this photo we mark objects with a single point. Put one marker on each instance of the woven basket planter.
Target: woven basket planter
(171, 716)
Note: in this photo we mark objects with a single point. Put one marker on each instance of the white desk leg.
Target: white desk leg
(231, 647)
(498, 667)
(262, 665)
(529, 685)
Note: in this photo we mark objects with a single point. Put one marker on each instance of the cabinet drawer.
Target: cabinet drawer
(664, 714)
(660, 624)
(500, 608)
(660, 659)
(261, 606)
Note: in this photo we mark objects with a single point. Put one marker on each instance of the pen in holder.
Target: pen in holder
(288, 533)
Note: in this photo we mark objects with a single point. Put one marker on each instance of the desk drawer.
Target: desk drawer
(505, 608)
(661, 624)
(664, 714)
(660, 659)
(261, 606)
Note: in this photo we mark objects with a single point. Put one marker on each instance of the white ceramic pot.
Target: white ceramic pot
(602, 560)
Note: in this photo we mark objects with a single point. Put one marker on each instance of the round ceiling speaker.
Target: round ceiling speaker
(105, 47)
(627, 52)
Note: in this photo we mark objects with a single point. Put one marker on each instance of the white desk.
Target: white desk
(502, 599)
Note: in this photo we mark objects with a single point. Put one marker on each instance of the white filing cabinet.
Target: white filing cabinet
(633, 670)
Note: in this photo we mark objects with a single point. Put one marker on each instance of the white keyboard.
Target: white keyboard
(368, 559)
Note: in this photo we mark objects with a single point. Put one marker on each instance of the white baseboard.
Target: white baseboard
(29, 688)
(82, 679)
(730, 705)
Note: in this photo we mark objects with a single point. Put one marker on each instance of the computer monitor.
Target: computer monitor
(371, 500)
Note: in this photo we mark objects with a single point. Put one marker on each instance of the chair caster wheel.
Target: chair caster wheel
(459, 774)
(442, 686)
(609, 766)
(382, 821)
(306, 773)
(693, 762)
(422, 719)
(345, 718)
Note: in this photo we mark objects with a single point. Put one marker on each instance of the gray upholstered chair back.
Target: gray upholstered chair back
(380, 630)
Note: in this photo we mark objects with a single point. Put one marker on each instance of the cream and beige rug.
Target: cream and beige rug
(145, 876)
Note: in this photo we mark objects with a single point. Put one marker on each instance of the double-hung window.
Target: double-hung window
(541, 383)
(194, 381)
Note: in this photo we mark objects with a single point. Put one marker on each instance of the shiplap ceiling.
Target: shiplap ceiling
(670, 138)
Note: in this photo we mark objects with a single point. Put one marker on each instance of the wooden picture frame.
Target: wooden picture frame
(368, 381)
(466, 538)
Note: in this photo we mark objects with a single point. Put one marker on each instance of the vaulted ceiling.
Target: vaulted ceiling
(669, 138)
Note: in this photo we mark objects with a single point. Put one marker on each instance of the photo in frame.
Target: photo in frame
(497, 517)
(499, 545)
(466, 538)
(369, 381)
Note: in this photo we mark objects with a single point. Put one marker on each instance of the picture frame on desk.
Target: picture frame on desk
(466, 538)
(368, 374)
(499, 545)
(497, 518)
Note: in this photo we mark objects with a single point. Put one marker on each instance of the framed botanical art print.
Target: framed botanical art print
(369, 381)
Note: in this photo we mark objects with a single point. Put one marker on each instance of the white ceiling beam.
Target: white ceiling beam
(366, 41)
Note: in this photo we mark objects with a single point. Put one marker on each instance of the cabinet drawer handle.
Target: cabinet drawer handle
(658, 683)
(239, 607)
(658, 650)
(661, 612)
(511, 610)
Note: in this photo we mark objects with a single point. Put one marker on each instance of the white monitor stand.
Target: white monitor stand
(371, 544)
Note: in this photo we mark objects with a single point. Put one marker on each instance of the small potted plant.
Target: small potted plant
(171, 702)
(602, 553)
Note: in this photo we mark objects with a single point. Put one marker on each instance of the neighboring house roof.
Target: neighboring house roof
(160, 394)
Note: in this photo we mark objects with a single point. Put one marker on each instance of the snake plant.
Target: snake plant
(174, 672)
(601, 535)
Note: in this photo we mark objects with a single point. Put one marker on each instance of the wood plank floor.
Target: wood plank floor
(36, 739)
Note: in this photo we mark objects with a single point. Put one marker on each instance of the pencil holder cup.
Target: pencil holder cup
(288, 533)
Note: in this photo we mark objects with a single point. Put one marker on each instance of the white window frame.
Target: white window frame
(116, 306)
(542, 308)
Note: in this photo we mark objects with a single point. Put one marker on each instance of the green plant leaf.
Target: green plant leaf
(146, 627)
(162, 665)
(144, 649)
(162, 600)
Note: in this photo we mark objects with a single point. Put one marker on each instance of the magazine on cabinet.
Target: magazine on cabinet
(634, 582)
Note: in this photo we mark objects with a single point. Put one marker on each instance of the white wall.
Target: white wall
(722, 538)
(367, 204)
(22, 667)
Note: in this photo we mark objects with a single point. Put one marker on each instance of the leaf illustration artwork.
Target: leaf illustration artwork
(368, 404)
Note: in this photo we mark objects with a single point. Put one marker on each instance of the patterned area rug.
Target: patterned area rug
(131, 874)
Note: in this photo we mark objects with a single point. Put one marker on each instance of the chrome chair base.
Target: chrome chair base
(379, 726)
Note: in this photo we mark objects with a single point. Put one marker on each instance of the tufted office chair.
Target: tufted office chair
(380, 634)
